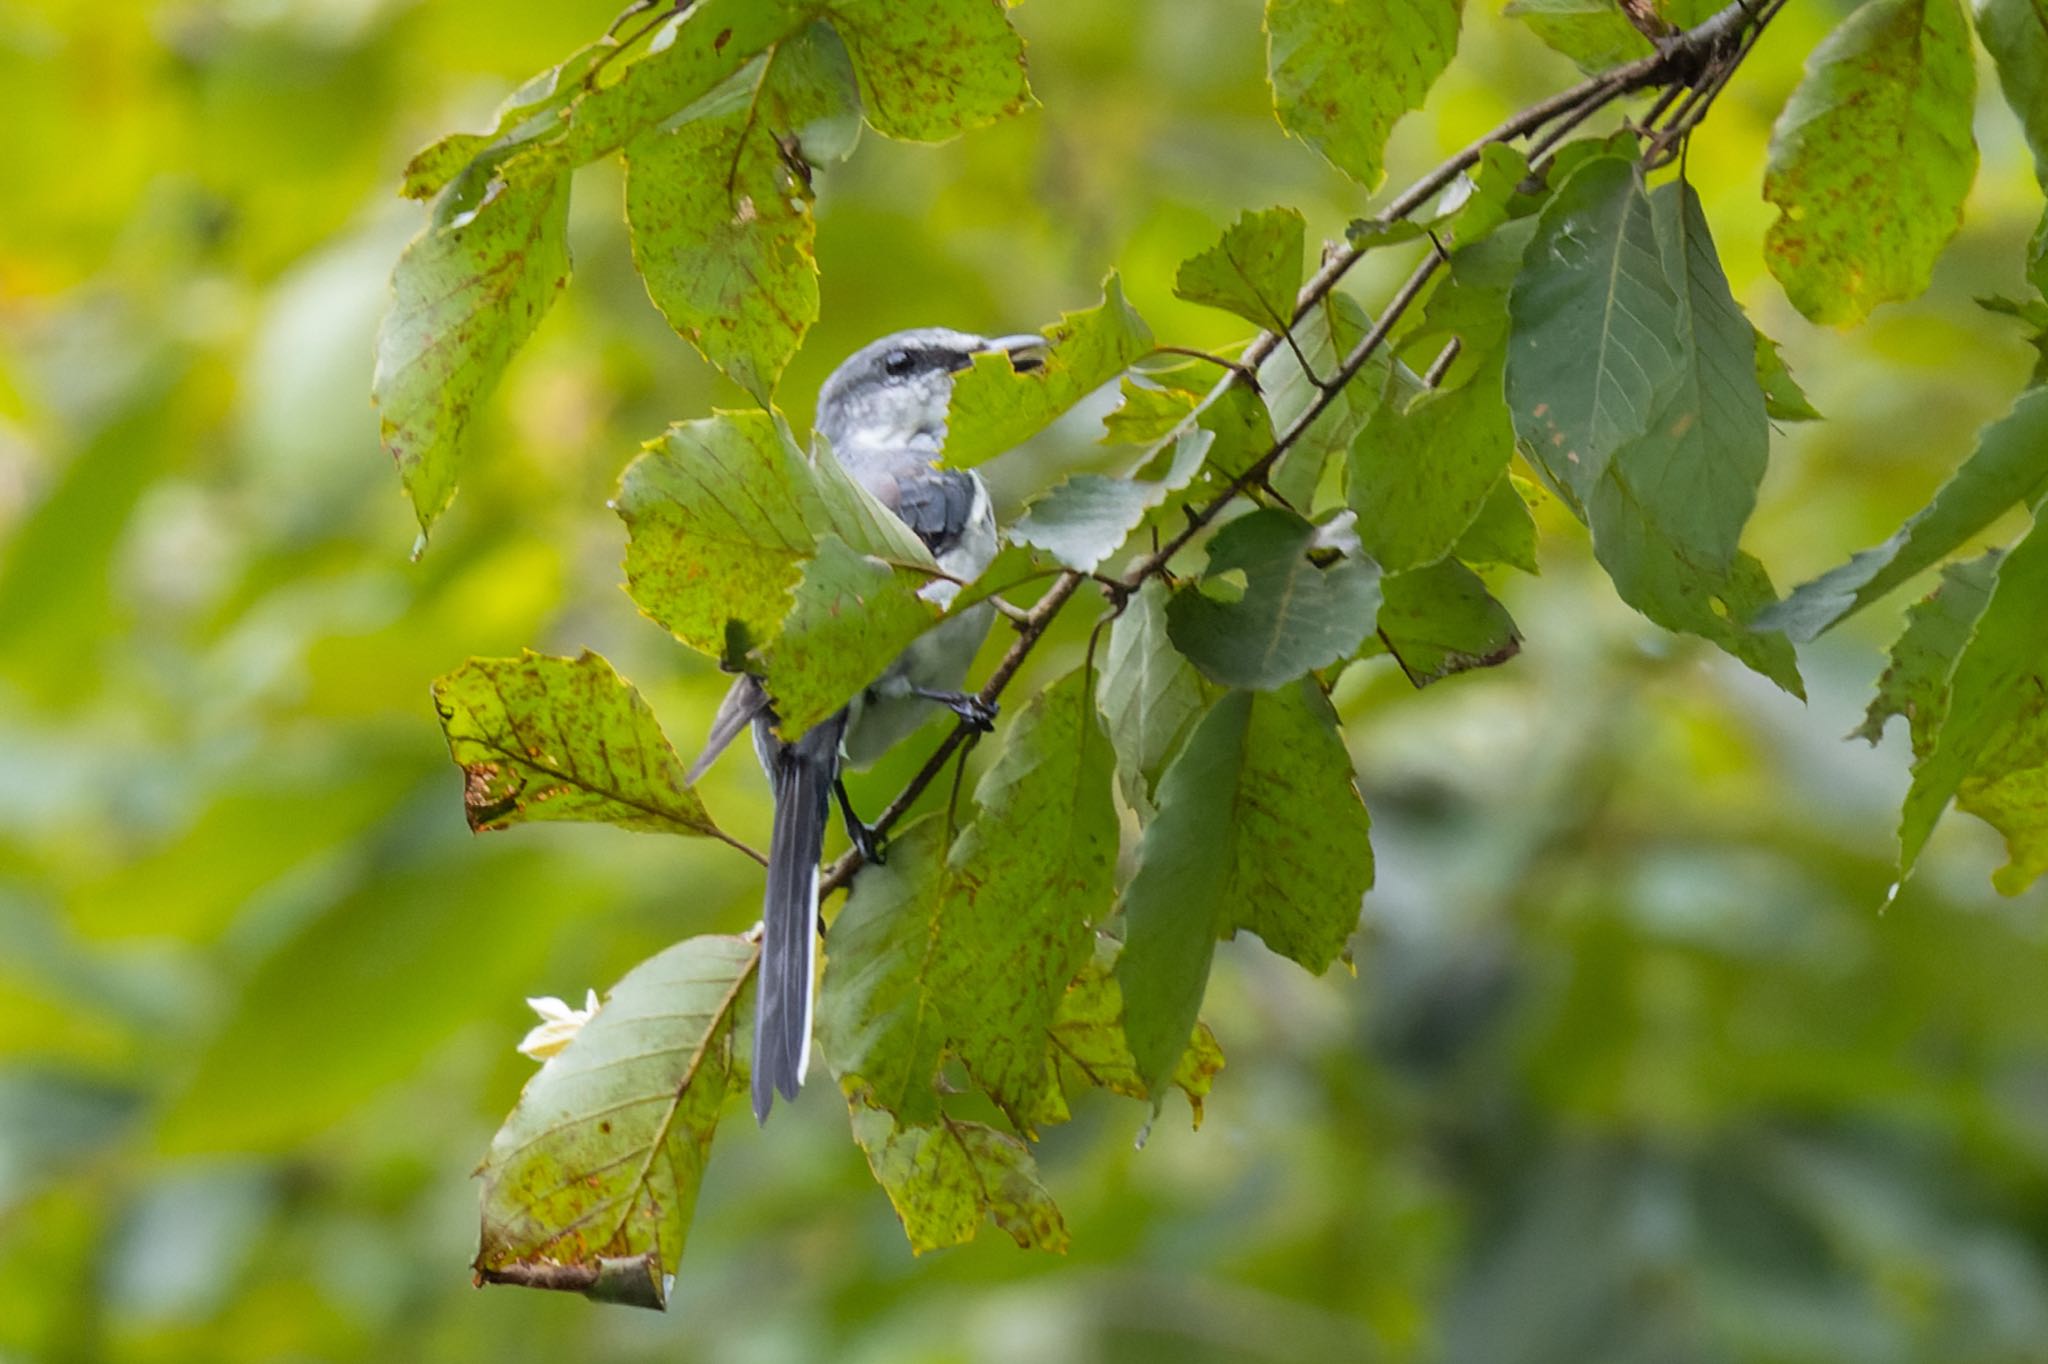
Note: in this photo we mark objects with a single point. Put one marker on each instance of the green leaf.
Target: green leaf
(2008, 790)
(719, 206)
(996, 408)
(1084, 518)
(601, 1160)
(933, 69)
(1594, 344)
(851, 616)
(1441, 620)
(1090, 1050)
(881, 1020)
(2031, 314)
(2009, 466)
(686, 59)
(1146, 414)
(1420, 471)
(1343, 74)
(1254, 272)
(1784, 400)
(945, 1177)
(1260, 827)
(1595, 33)
(718, 514)
(970, 950)
(1295, 615)
(1025, 883)
(541, 738)
(467, 293)
(532, 111)
(2015, 33)
(1149, 693)
(1871, 159)
(1323, 338)
(1504, 532)
(1998, 680)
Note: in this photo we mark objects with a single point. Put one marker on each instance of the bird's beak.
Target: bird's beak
(1026, 350)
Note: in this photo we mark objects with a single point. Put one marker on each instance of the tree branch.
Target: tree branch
(1704, 57)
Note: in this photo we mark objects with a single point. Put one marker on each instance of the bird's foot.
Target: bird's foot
(865, 839)
(972, 710)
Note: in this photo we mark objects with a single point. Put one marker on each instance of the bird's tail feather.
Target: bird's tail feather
(801, 775)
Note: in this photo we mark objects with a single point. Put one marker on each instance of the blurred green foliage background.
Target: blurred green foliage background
(1632, 1068)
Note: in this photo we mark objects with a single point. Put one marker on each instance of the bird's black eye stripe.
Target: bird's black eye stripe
(898, 363)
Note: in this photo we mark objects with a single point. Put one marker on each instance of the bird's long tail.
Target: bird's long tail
(801, 776)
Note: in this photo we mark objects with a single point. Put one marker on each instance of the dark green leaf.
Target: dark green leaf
(542, 738)
(1860, 226)
(1260, 827)
(995, 408)
(1440, 620)
(945, 1177)
(1504, 532)
(719, 206)
(1253, 272)
(1295, 615)
(933, 69)
(467, 293)
(2009, 466)
(1344, 74)
(1149, 693)
(601, 1160)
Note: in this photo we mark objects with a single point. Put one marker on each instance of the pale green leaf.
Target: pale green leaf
(1149, 693)
(467, 293)
(1260, 827)
(1343, 74)
(601, 1160)
(1146, 414)
(541, 738)
(945, 1177)
(996, 408)
(933, 69)
(1253, 272)
(719, 206)
(1084, 518)
(1871, 159)
(1296, 614)
(1090, 1051)
(2008, 468)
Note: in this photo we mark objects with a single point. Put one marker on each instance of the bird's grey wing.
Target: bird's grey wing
(742, 703)
(939, 505)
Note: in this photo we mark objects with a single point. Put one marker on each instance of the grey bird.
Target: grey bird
(882, 415)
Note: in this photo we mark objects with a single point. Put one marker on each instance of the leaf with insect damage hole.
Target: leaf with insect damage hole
(945, 1177)
(1990, 740)
(1343, 74)
(996, 408)
(1260, 827)
(967, 950)
(2009, 467)
(590, 1183)
(467, 293)
(719, 205)
(541, 738)
(1253, 272)
(1302, 607)
(1857, 228)
(1441, 620)
(933, 69)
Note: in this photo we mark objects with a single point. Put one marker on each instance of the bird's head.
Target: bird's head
(891, 395)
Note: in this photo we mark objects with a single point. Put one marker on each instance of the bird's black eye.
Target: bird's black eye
(897, 363)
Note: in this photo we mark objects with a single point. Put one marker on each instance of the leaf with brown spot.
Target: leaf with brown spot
(542, 738)
(945, 1177)
(933, 69)
(1343, 74)
(591, 1181)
